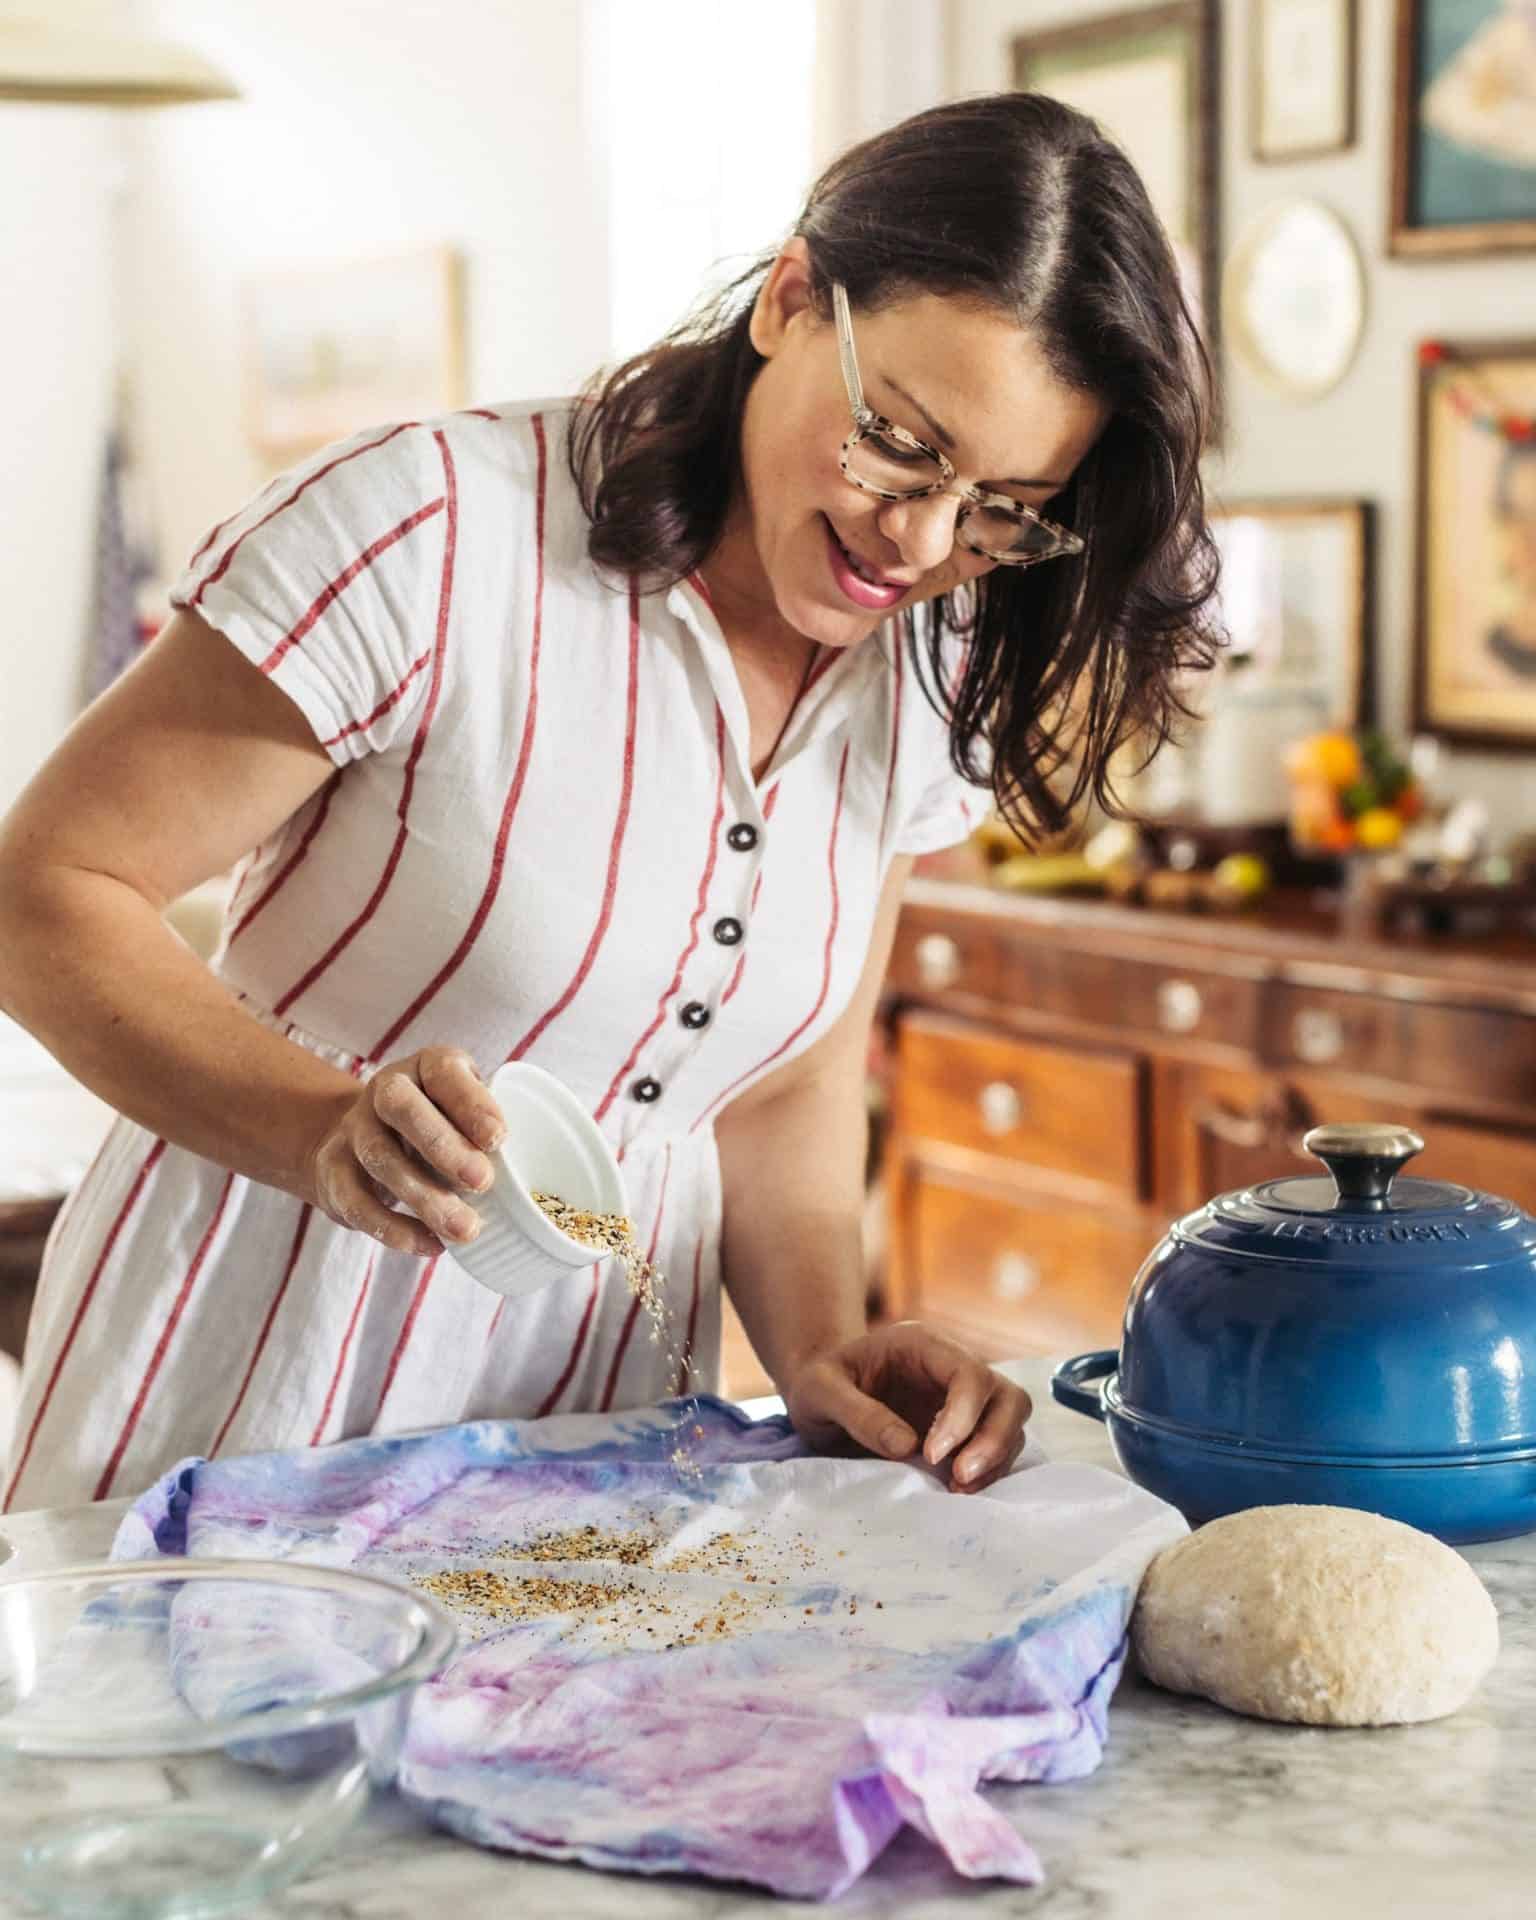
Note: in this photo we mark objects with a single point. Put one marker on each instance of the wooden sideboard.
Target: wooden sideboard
(1067, 1076)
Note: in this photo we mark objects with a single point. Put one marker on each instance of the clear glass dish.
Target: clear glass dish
(180, 1737)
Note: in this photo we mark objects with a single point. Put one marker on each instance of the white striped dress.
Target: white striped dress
(542, 840)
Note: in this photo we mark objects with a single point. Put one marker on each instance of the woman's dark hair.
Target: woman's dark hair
(1019, 203)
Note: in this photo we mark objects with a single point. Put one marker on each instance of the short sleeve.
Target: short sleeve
(945, 807)
(330, 582)
(948, 812)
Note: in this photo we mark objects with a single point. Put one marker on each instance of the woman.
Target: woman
(601, 736)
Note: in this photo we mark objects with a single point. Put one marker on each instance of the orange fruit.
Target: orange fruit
(1338, 759)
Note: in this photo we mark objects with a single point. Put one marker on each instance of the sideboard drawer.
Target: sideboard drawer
(1350, 1032)
(943, 953)
(1016, 1277)
(1062, 1109)
(1477, 1052)
(1143, 997)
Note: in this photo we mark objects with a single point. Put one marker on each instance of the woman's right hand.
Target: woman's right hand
(417, 1136)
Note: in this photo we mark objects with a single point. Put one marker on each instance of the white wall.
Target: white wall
(59, 170)
(367, 127)
(702, 175)
(1359, 439)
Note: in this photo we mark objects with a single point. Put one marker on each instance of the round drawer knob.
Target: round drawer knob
(1179, 1006)
(1317, 1035)
(1000, 1107)
(938, 960)
(1015, 1277)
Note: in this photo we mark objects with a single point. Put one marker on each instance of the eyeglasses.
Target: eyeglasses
(887, 461)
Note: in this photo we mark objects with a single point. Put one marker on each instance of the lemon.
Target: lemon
(1379, 827)
(1242, 876)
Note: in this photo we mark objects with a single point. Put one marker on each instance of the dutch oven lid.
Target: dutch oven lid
(1362, 1213)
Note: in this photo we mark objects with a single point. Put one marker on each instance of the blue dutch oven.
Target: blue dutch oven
(1359, 1340)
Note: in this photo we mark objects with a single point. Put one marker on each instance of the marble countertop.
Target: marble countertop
(1195, 1812)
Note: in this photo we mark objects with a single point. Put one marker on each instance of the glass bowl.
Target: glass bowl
(180, 1737)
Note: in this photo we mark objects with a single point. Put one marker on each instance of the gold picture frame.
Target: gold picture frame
(1150, 76)
(1463, 136)
(330, 349)
(1298, 595)
(1475, 589)
(1301, 76)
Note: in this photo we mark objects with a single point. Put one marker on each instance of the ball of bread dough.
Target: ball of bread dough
(1317, 1614)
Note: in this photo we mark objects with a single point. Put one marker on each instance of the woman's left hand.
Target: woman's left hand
(904, 1387)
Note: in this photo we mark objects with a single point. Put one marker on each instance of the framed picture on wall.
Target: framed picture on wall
(1475, 624)
(1296, 598)
(1464, 127)
(1293, 298)
(1150, 78)
(331, 349)
(1301, 77)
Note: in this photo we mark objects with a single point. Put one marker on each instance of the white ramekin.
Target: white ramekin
(552, 1146)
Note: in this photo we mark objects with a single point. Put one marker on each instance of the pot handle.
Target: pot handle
(1068, 1381)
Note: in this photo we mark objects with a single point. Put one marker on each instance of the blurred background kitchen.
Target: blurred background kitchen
(231, 233)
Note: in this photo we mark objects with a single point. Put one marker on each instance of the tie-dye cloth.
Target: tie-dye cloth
(688, 1647)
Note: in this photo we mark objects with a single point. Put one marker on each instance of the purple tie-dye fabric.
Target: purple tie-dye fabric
(896, 1647)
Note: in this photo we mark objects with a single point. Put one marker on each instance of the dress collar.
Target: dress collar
(840, 681)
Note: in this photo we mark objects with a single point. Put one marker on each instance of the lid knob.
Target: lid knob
(1364, 1158)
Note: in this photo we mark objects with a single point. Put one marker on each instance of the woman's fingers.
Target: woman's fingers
(451, 1081)
(979, 1426)
(967, 1391)
(831, 1402)
(386, 1161)
(348, 1194)
(997, 1441)
(424, 1115)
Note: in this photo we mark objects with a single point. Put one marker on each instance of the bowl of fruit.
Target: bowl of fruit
(1350, 793)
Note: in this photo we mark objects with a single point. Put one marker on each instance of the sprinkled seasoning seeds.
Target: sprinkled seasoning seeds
(619, 1608)
(613, 1233)
(590, 1543)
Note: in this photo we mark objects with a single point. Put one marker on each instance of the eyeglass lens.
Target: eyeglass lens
(890, 466)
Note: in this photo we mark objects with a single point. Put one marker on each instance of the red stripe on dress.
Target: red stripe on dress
(334, 589)
(616, 845)
(405, 1335)
(341, 1358)
(890, 766)
(757, 887)
(696, 581)
(634, 1306)
(675, 984)
(826, 961)
(281, 878)
(564, 1381)
(208, 540)
(408, 784)
(685, 1365)
(514, 793)
(482, 413)
(821, 669)
(79, 1314)
(306, 1214)
(392, 698)
(283, 505)
(162, 1345)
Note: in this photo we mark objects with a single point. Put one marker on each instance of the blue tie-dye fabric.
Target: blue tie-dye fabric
(893, 1646)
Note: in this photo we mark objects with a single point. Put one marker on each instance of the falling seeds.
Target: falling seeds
(614, 1233)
